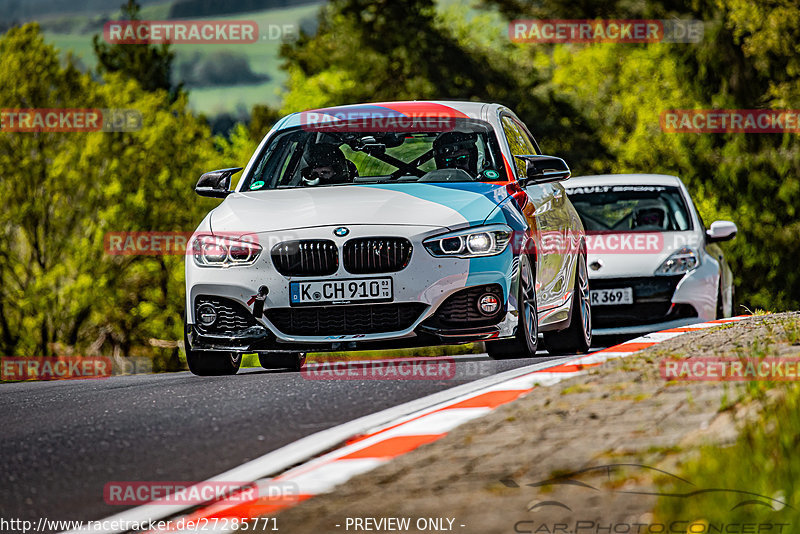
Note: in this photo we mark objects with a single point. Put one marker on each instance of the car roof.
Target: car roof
(439, 108)
(623, 179)
(408, 108)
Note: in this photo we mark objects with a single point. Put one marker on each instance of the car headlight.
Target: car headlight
(682, 261)
(217, 251)
(470, 243)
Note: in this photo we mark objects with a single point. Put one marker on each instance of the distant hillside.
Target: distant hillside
(28, 10)
(21, 11)
(208, 8)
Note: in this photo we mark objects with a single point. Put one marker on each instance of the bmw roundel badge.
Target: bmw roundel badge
(341, 231)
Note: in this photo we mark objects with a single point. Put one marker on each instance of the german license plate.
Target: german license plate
(608, 297)
(340, 291)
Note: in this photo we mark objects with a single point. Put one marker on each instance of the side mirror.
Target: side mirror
(216, 184)
(544, 169)
(721, 231)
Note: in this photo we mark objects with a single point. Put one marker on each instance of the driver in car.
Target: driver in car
(649, 215)
(326, 165)
(456, 150)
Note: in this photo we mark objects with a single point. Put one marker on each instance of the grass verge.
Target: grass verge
(756, 481)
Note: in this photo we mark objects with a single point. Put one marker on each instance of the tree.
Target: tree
(59, 289)
(748, 59)
(371, 51)
(262, 119)
(150, 65)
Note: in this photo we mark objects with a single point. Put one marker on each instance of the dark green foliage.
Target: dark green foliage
(150, 65)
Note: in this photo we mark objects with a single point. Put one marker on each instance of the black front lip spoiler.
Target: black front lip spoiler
(242, 340)
(260, 339)
(463, 335)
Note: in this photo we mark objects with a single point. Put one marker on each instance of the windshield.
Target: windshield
(630, 208)
(463, 150)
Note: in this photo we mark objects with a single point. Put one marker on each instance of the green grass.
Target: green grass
(763, 461)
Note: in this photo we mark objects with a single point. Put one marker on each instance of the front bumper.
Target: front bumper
(660, 302)
(262, 341)
(421, 290)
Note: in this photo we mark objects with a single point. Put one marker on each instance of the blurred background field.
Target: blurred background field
(217, 92)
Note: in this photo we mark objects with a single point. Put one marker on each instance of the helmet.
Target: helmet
(325, 155)
(649, 214)
(456, 150)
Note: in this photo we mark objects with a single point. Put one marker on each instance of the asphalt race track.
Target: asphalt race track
(62, 441)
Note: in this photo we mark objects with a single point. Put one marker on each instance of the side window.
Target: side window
(519, 142)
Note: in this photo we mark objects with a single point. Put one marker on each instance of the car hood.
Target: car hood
(616, 255)
(448, 205)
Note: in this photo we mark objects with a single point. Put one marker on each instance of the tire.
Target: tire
(577, 337)
(282, 360)
(526, 342)
(213, 363)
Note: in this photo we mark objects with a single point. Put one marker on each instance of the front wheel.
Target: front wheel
(211, 363)
(526, 342)
(282, 360)
(577, 337)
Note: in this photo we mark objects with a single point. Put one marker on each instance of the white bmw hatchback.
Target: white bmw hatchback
(387, 225)
(653, 264)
